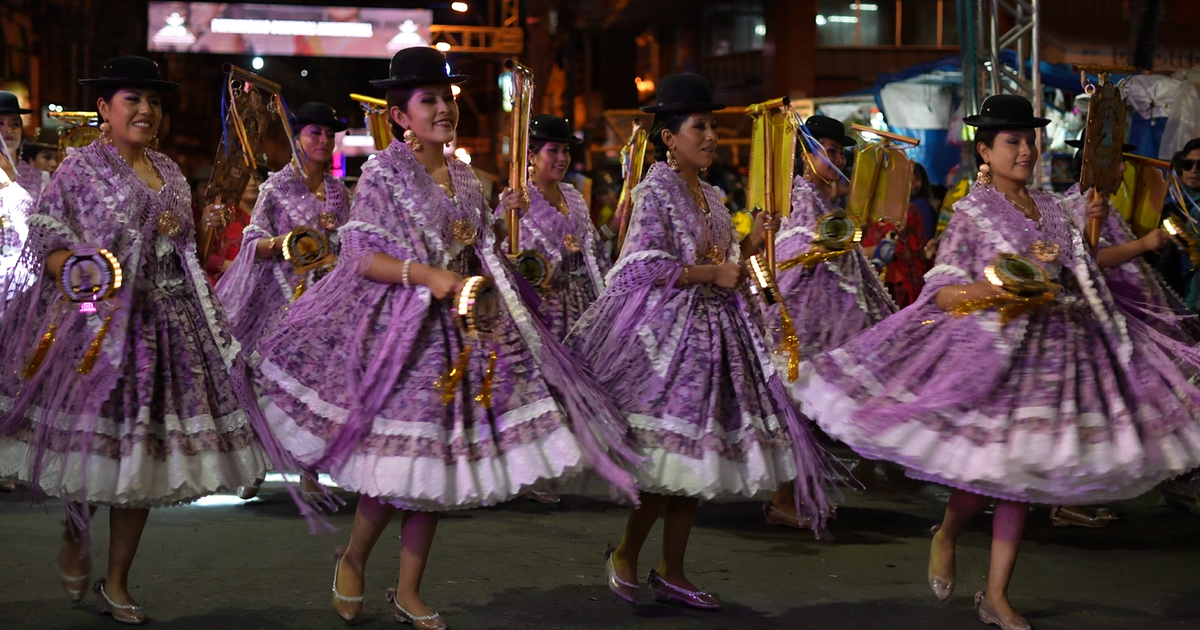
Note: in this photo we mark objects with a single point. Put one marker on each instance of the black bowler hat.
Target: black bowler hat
(313, 113)
(550, 128)
(825, 127)
(685, 93)
(1006, 111)
(130, 71)
(46, 139)
(418, 66)
(1078, 144)
(10, 105)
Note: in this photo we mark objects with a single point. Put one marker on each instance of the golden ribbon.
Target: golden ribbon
(811, 259)
(1009, 306)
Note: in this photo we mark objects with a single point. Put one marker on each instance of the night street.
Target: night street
(526, 565)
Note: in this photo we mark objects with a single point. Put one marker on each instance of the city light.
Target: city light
(442, 46)
(760, 29)
(821, 21)
(257, 63)
(462, 155)
(455, 90)
(843, 19)
(304, 73)
(864, 7)
(461, 7)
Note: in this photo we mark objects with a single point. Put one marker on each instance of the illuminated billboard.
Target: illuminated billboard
(285, 30)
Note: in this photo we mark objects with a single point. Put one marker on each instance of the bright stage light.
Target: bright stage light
(442, 46)
(257, 63)
(461, 7)
(455, 90)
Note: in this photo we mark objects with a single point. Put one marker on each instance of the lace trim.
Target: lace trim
(54, 225)
(949, 270)
(371, 228)
(644, 254)
(312, 400)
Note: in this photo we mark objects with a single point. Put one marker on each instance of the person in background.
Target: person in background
(1173, 262)
(229, 242)
(922, 198)
(42, 151)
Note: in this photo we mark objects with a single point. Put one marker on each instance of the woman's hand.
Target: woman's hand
(1097, 206)
(442, 283)
(949, 297)
(1155, 240)
(510, 200)
(215, 216)
(727, 275)
(931, 247)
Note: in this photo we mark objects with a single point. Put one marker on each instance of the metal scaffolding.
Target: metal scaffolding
(983, 42)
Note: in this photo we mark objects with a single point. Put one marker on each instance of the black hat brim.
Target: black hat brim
(411, 82)
(683, 108)
(335, 125)
(163, 87)
(1125, 147)
(39, 146)
(843, 139)
(20, 111)
(981, 123)
(544, 138)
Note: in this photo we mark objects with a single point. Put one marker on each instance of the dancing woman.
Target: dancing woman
(1056, 398)
(260, 284)
(831, 301)
(671, 338)
(370, 377)
(558, 226)
(134, 401)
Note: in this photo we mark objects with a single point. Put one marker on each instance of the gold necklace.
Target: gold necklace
(701, 199)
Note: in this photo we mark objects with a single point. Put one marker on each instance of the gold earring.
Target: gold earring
(984, 176)
(672, 163)
(106, 133)
(153, 146)
(530, 170)
(410, 138)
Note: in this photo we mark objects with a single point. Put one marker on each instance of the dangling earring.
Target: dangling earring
(530, 171)
(153, 146)
(672, 163)
(410, 138)
(105, 133)
(984, 176)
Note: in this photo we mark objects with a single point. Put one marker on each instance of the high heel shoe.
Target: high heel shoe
(942, 587)
(988, 615)
(420, 622)
(624, 590)
(664, 592)
(128, 614)
(350, 614)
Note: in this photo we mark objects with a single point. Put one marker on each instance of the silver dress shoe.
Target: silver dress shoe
(623, 589)
(420, 622)
(128, 614)
(664, 592)
(988, 615)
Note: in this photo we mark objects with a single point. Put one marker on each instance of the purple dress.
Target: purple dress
(834, 300)
(1137, 288)
(350, 378)
(1072, 404)
(576, 277)
(687, 366)
(15, 207)
(158, 421)
(31, 178)
(254, 291)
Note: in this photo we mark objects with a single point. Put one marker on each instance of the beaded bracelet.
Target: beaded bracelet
(404, 274)
(683, 280)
